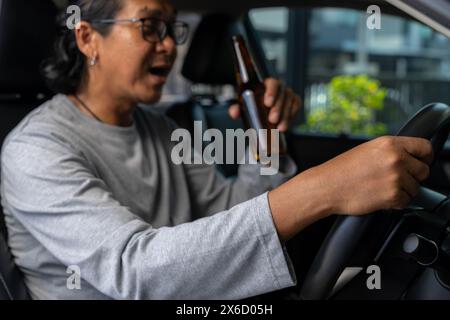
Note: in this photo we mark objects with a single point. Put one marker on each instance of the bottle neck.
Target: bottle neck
(246, 69)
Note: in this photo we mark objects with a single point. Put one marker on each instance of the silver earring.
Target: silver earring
(93, 61)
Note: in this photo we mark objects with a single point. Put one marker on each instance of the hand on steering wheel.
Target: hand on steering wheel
(432, 123)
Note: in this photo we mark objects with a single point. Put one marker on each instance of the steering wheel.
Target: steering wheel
(431, 122)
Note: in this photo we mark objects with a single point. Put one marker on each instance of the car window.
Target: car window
(355, 79)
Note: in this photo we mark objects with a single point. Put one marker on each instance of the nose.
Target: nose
(167, 46)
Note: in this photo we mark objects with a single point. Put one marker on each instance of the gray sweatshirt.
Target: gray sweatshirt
(96, 211)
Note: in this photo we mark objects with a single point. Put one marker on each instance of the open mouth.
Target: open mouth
(162, 71)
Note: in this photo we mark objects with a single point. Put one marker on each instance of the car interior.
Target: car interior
(333, 257)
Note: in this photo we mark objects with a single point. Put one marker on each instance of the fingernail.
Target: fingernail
(282, 127)
(269, 101)
(274, 117)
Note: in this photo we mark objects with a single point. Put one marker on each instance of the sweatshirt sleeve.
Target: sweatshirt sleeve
(211, 192)
(54, 194)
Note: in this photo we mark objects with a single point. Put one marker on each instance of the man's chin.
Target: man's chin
(152, 98)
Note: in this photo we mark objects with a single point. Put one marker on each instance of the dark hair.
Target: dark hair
(64, 71)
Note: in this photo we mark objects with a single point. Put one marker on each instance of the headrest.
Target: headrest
(27, 30)
(210, 56)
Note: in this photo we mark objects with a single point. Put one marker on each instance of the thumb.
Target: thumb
(234, 111)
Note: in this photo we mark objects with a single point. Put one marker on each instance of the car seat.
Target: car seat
(26, 34)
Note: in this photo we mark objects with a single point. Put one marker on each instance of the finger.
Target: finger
(297, 106)
(276, 112)
(418, 147)
(234, 111)
(410, 185)
(401, 201)
(296, 109)
(418, 169)
(272, 91)
(287, 110)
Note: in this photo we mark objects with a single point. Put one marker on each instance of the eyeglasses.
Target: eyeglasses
(155, 29)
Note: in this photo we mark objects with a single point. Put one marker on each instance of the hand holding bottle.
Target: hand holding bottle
(282, 102)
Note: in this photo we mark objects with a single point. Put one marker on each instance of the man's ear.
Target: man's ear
(87, 39)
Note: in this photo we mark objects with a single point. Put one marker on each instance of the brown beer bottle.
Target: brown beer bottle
(251, 98)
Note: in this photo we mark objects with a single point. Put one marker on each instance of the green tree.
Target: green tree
(352, 104)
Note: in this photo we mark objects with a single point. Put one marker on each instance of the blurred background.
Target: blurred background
(330, 57)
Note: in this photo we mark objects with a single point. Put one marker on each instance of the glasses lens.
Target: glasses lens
(180, 32)
(154, 30)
